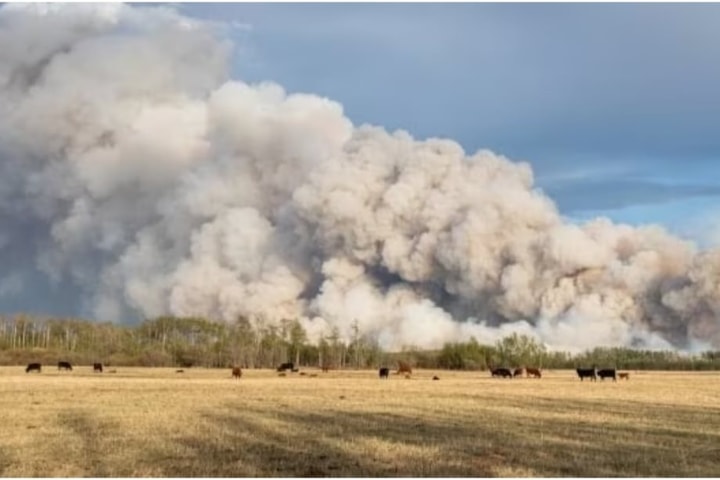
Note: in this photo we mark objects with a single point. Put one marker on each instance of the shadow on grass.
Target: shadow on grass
(253, 441)
(92, 435)
(5, 460)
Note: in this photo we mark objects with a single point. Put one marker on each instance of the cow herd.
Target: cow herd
(403, 368)
(518, 372)
(593, 374)
(62, 365)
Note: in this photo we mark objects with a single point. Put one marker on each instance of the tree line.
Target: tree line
(168, 341)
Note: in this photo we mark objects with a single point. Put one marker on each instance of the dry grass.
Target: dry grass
(155, 422)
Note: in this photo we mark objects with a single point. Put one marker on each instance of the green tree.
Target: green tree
(298, 337)
(520, 350)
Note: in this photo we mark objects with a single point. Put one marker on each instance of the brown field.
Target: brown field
(155, 422)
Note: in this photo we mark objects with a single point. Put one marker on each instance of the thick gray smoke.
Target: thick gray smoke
(137, 174)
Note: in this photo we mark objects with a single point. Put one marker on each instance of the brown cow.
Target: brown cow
(236, 372)
(624, 376)
(533, 372)
(404, 367)
(518, 372)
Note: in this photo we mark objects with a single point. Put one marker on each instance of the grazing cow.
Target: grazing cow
(97, 367)
(384, 372)
(236, 372)
(286, 366)
(33, 367)
(501, 372)
(624, 375)
(64, 366)
(586, 372)
(533, 372)
(436, 377)
(404, 367)
(518, 372)
(179, 371)
(607, 373)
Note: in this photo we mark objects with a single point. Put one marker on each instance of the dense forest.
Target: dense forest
(186, 342)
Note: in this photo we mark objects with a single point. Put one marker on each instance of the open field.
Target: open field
(155, 422)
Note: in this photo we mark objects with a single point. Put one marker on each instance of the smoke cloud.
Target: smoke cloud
(135, 173)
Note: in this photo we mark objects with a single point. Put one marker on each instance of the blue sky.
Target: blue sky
(616, 106)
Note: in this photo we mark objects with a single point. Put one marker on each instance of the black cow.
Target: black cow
(64, 366)
(97, 367)
(501, 372)
(33, 367)
(384, 372)
(586, 372)
(607, 373)
(518, 372)
(286, 366)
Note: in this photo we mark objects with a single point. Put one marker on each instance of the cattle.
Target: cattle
(518, 372)
(607, 373)
(384, 372)
(64, 366)
(624, 375)
(97, 367)
(501, 372)
(586, 373)
(33, 367)
(286, 366)
(282, 374)
(436, 377)
(236, 372)
(180, 371)
(325, 368)
(404, 367)
(533, 372)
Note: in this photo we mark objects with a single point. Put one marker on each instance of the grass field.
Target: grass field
(155, 422)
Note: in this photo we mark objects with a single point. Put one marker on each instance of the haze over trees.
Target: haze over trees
(197, 341)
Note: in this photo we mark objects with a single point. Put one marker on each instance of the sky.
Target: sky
(615, 106)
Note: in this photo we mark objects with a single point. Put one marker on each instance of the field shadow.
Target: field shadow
(257, 441)
(92, 435)
(5, 460)
(293, 444)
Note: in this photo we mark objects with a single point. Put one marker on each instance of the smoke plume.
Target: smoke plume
(135, 174)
